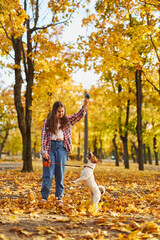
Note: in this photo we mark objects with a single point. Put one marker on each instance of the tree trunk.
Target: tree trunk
(139, 118)
(124, 133)
(17, 93)
(149, 156)
(155, 150)
(34, 150)
(85, 136)
(3, 142)
(115, 151)
(95, 147)
(100, 151)
(24, 120)
(27, 166)
(79, 157)
(136, 151)
(144, 153)
(125, 149)
(132, 154)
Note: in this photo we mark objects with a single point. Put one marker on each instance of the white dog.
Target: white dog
(88, 179)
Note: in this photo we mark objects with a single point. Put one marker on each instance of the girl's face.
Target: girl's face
(60, 112)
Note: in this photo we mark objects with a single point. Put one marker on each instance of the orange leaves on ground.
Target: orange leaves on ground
(129, 209)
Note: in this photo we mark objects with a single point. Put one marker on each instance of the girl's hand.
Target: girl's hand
(46, 156)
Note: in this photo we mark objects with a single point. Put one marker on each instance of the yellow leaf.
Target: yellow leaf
(12, 217)
(100, 220)
(92, 208)
(18, 211)
(3, 237)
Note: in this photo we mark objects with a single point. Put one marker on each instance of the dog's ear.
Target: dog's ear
(94, 159)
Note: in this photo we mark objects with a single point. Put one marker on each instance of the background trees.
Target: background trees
(122, 40)
(125, 42)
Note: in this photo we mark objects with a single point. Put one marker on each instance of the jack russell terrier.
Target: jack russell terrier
(88, 179)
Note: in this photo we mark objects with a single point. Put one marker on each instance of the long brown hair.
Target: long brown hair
(52, 120)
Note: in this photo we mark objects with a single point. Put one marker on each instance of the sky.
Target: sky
(89, 78)
(70, 34)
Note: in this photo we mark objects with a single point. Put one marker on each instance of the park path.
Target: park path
(10, 165)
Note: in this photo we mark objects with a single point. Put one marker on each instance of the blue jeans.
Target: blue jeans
(58, 155)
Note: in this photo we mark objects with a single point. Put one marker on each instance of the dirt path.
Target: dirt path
(54, 226)
(49, 227)
(10, 165)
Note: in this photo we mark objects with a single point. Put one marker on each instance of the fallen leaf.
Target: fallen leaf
(21, 231)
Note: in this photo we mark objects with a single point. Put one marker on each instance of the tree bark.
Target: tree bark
(100, 151)
(95, 147)
(115, 151)
(3, 142)
(144, 154)
(24, 119)
(79, 157)
(155, 150)
(125, 149)
(149, 156)
(27, 166)
(124, 134)
(136, 150)
(139, 117)
(132, 154)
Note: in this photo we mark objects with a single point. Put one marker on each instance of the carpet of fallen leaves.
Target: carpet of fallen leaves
(130, 207)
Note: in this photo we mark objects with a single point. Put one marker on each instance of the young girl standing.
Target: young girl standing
(56, 142)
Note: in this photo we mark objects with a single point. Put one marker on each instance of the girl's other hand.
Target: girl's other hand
(86, 100)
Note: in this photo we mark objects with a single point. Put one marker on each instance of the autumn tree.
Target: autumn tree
(124, 37)
(29, 30)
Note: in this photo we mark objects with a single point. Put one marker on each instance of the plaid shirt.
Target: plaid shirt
(46, 134)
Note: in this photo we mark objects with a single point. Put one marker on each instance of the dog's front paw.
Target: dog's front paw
(73, 183)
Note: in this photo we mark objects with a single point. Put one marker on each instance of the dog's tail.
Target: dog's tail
(102, 189)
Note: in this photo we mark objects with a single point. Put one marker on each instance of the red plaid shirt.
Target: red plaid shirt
(46, 134)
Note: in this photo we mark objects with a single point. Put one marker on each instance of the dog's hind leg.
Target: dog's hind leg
(96, 198)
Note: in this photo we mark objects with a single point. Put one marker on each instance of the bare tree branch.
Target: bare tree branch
(154, 47)
(50, 25)
(6, 32)
(149, 3)
(10, 55)
(37, 13)
(151, 82)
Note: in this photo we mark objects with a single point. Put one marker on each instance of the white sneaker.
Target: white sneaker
(43, 200)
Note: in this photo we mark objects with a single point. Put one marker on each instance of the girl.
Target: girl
(56, 142)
